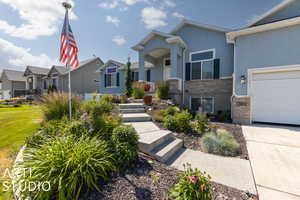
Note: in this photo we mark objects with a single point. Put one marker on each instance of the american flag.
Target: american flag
(68, 43)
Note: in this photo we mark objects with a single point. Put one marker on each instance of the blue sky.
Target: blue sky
(30, 29)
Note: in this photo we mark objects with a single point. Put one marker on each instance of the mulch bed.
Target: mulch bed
(193, 140)
(151, 180)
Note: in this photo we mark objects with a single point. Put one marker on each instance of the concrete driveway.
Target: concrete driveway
(274, 153)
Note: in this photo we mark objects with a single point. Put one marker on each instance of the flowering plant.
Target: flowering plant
(193, 184)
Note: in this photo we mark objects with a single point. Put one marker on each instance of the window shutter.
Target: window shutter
(105, 80)
(148, 75)
(187, 71)
(118, 79)
(216, 68)
(132, 76)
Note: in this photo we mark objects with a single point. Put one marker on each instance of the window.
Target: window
(205, 103)
(202, 65)
(45, 84)
(135, 76)
(167, 62)
(111, 77)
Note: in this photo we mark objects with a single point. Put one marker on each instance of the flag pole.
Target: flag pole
(68, 6)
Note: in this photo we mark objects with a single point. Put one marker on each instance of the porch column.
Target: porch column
(174, 61)
(34, 82)
(141, 66)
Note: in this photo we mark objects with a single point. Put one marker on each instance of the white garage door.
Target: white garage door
(276, 97)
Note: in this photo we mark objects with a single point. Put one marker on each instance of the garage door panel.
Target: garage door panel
(276, 100)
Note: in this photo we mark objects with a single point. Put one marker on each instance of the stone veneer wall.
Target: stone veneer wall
(175, 91)
(220, 89)
(241, 110)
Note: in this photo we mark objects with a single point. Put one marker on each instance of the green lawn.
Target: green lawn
(15, 125)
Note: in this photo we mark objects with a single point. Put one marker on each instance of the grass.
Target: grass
(16, 123)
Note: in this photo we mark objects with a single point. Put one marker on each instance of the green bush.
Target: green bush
(103, 126)
(138, 93)
(172, 110)
(221, 142)
(162, 91)
(170, 123)
(125, 140)
(69, 164)
(183, 121)
(106, 97)
(224, 116)
(202, 123)
(158, 115)
(98, 107)
(56, 106)
(193, 185)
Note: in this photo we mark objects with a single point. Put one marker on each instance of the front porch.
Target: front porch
(166, 54)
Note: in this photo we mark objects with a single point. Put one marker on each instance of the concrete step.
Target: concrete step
(136, 117)
(143, 127)
(150, 140)
(131, 105)
(165, 153)
(133, 110)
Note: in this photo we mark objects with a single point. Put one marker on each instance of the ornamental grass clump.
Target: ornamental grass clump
(56, 106)
(68, 164)
(193, 185)
(221, 142)
(138, 92)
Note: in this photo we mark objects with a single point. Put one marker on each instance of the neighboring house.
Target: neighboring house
(195, 60)
(267, 67)
(84, 78)
(113, 74)
(13, 84)
(36, 80)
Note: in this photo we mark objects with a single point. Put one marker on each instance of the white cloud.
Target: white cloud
(109, 5)
(153, 17)
(123, 9)
(170, 3)
(119, 40)
(113, 20)
(12, 55)
(178, 15)
(130, 2)
(41, 18)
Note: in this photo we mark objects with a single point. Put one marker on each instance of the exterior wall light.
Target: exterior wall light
(243, 79)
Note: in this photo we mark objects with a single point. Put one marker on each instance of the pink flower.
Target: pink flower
(193, 178)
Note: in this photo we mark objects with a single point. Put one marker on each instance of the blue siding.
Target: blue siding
(266, 49)
(116, 90)
(292, 10)
(199, 39)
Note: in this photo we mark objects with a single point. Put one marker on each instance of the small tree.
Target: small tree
(128, 82)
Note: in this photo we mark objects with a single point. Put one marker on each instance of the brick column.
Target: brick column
(240, 108)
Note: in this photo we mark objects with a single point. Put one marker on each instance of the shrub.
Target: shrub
(170, 123)
(56, 106)
(202, 123)
(183, 121)
(125, 140)
(224, 116)
(104, 125)
(193, 185)
(68, 164)
(106, 98)
(158, 115)
(172, 110)
(138, 93)
(162, 91)
(221, 142)
(98, 107)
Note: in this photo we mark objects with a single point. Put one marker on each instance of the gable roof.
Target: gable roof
(13, 75)
(37, 70)
(275, 9)
(199, 25)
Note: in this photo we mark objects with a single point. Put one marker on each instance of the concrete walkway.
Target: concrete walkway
(274, 153)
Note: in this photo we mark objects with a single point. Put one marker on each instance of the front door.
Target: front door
(167, 69)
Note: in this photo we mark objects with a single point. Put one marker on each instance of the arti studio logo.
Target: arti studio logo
(23, 175)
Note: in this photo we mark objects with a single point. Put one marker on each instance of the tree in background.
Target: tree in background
(128, 82)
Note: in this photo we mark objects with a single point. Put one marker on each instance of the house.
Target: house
(195, 60)
(267, 67)
(36, 80)
(113, 74)
(13, 84)
(83, 78)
